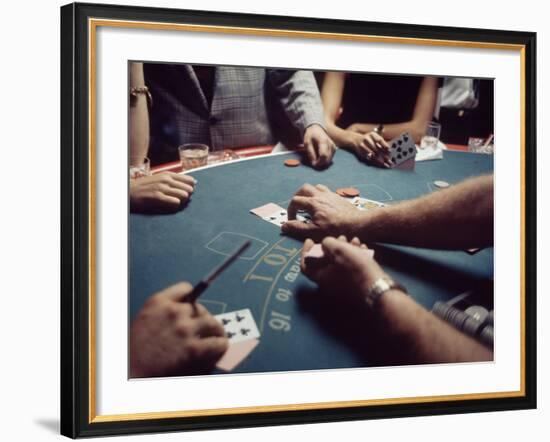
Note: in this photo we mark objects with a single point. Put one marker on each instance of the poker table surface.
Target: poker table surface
(299, 329)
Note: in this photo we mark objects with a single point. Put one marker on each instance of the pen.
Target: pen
(207, 280)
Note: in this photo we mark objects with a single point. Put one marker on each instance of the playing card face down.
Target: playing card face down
(239, 325)
(402, 148)
(235, 354)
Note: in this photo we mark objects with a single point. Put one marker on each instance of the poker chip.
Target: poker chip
(441, 184)
(340, 192)
(351, 192)
(292, 163)
(477, 312)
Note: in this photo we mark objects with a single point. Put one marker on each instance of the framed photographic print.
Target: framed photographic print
(278, 220)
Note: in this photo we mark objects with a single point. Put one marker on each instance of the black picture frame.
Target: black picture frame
(77, 418)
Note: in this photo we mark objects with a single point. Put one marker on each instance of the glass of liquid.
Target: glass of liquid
(431, 137)
(193, 155)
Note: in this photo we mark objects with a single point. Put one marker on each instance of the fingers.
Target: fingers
(307, 190)
(308, 244)
(322, 188)
(176, 292)
(355, 241)
(298, 229)
(185, 179)
(209, 349)
(206, 326)
(379, 141)
(365, 152)
(299, 202)
(181, 186)
(180, 194)
(340, 251)
(378, 149)
(310, 152)
(325, 152)
(168, 202)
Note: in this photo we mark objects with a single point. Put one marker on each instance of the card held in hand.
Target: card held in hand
(239, 325)
(402, 149)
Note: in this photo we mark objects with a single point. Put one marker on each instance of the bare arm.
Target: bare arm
(454, 218)
(407, 332)
(139, 118)
(422, 336)
(422, 114)
(459, 217)
(365, 146)
(331, 94)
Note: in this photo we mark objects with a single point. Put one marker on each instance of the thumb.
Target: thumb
(297, 228)
(176, 292)
(343, 253)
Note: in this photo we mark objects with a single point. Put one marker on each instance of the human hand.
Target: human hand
(172, 337)
(330, 213)
(164, 192)
(347, 269)
(319, 146)
(370, 147)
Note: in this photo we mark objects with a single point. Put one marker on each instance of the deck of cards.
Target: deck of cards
(403, 152)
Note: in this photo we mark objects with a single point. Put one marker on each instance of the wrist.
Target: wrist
(383, 290)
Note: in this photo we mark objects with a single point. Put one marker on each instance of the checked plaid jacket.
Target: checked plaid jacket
(250, 107)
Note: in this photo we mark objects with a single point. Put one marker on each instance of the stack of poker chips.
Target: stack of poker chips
(475, 321)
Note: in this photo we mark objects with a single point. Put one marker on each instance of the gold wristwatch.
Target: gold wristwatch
(381, 286)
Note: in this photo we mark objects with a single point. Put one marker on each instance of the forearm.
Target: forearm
(455, 218)
(341, 137)
(139, 117)
(299, 96)
(414, 127)
(420, 336)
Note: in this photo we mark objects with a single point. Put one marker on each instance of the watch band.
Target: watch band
(379, 287)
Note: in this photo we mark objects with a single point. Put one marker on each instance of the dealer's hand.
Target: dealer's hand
(319, 146)
(370, 147)
(172, 337)
(346, 271)
(164, 192)
(330, 213)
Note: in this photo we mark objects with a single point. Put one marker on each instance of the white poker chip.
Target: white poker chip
(441, 184)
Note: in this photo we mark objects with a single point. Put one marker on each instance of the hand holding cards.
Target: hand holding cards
(343, 270)
(315, 255)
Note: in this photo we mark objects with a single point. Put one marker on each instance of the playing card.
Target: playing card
(266, 210)
(239, 325)
(316, 253)
(275, 214)
(402, 149)
(365, 204)
(235, 354)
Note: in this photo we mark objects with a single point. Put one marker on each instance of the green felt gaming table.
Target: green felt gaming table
(299, 331)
